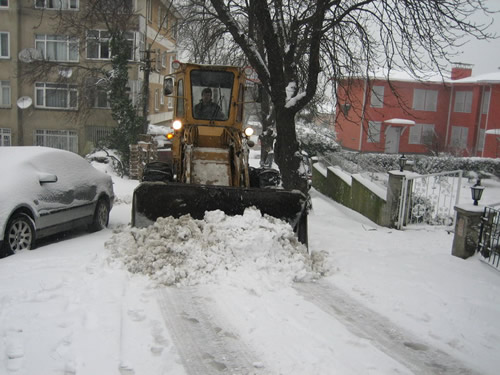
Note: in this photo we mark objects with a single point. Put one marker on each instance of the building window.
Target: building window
(61, 139)
(57, 47)
(55, 95)
(463, 101)
(485, 105)
(100, 98)
(482, 135)
(5, 137)
(4, 45)
(377, 97)
(459, 137)
(57, 4)
(162, 98)
(4, 94)
(425, 100)
(149, 10)
(98, 134)
(4, 3)
(99, 44)
(164, 60)
(421, 134)
(374, 128)
(157, 101)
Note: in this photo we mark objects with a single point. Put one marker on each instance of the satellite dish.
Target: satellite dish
(24, 102)
(28, 55)
(65, 72)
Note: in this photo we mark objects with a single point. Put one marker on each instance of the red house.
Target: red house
(460, 115)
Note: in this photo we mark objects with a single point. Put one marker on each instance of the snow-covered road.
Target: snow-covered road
(389, 302)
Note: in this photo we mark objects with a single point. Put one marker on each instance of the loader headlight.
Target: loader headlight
(177, 125)
(249, 131)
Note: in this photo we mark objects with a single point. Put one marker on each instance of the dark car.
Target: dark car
(46, 191)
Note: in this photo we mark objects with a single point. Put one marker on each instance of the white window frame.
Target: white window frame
(463, 102)
(43, 87)
(419, 132)
(5, 94)
(162, 98)
(374, 131)
(8, 45)
(61, 139)
(58, 4)
(5, 137)
(4, 6)
(425, 100)
(157, 101)
(103, 38)
(377, 97)
(44, 41)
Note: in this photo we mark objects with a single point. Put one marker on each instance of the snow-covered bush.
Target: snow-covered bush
(472, 167)
(315, 139)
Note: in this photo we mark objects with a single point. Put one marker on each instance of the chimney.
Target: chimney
(460, 70)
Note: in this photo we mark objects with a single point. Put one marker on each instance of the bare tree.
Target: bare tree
(337, 39)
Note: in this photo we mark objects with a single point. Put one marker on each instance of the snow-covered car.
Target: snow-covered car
(46, 191)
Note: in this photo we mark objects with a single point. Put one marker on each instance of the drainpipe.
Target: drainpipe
(478, 127)
(449, 117)
(487, 119)
(362, 116)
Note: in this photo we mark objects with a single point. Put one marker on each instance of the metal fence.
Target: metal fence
(489, 236)
(429, 199)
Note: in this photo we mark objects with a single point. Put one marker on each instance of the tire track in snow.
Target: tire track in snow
(396, 342)
(204, 345)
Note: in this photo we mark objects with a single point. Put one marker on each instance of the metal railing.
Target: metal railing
(429, 199)
(489, 237)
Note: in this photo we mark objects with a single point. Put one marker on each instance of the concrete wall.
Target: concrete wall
(354, 192)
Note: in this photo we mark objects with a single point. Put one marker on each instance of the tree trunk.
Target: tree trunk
(287, 153)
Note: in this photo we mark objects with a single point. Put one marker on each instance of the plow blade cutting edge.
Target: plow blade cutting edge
(157, 199)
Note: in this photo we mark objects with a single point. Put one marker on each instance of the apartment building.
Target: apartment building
(68, 107)
(460, 115)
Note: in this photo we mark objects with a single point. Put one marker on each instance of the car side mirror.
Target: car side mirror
(46, 178)
(168, 86)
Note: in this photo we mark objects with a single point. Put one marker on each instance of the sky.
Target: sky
(241, 296)
(485, 55)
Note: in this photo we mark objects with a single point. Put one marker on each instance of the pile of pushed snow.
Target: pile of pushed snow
(217, 249)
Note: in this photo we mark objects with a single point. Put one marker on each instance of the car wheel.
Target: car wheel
(101, 216)
(20, 234)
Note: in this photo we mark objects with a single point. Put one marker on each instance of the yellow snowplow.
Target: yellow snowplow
(210, 150)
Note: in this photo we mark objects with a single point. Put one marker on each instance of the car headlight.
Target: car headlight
(249, 131)
(177, 125)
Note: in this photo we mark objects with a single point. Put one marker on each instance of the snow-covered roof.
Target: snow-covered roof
(396, 75)
(401, 76)
(493, 77)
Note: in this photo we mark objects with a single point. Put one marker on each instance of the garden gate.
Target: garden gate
(429, 199)
(489, 236)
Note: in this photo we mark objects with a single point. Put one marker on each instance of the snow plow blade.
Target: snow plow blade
(152, 200)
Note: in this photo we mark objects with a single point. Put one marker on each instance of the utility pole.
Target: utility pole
(146, 68)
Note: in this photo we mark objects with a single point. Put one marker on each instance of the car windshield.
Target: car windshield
(211, 93)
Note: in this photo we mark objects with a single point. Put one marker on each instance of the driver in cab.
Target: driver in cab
(206, 108)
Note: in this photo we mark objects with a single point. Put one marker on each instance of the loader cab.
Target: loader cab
(207, 95)
(211, 93)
